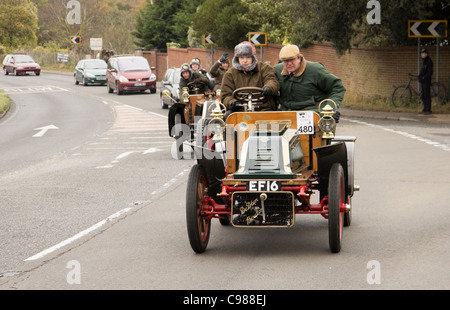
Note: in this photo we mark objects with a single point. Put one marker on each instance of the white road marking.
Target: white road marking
(79, 235)
(110, 218)
(441, 146)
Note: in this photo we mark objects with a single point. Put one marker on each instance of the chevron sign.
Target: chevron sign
(427, 28)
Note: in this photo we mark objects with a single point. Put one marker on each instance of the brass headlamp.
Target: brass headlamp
(327, 123)
(185, 94)
(217, 125)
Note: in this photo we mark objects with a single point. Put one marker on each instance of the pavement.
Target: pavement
(396, 116)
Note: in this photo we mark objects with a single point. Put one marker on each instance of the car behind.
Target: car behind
(90, 71)
(129, 73)
(171, 82)
(19, 64)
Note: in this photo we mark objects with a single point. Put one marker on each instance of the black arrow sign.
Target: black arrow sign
(75, 40)
(427, 28)
(258, 38)
(208, 40)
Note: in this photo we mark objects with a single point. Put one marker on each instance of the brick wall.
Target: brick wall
(365, 73)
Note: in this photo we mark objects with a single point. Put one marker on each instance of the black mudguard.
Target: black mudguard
(177, 108)
(326, 157)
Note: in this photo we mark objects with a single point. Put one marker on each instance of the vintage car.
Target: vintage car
(185, 113)
(260, 169)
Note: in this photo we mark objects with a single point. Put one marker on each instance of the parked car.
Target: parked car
(129, 73)
(90, 71)
(170, 82)
(20, 64)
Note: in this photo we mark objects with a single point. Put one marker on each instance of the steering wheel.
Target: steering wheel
(196, 85)
(222, 107)
(245, 94)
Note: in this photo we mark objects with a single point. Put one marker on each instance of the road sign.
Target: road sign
(427, 28)
(258, 38)
(75, 40)
(207, 39)
(96, 44)
(61, 57)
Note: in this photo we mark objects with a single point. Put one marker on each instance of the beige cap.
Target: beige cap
(289, 51)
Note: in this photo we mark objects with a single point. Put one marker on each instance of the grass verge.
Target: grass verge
(4, 102)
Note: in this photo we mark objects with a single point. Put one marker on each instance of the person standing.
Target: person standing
(303, 84)
(247, 71)
(425, 74)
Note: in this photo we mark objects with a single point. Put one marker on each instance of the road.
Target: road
(106, 211)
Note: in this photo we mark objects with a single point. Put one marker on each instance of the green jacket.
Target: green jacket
(312, 80)
(262, 75)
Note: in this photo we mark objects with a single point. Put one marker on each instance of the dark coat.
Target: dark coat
(262, 75)
(426, 71)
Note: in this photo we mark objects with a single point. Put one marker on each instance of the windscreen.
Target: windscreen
(133, 64)
(23, 58)
(100, 64)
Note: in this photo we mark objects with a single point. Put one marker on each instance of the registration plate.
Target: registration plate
(263, 186)
(139, 84)
(101, 78)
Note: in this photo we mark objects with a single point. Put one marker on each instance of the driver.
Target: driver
(246, 71)
(188, 76)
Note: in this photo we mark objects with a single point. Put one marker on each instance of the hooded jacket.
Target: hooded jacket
(256, 75)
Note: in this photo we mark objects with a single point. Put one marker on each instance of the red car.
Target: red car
(129, 73)
(20, 64)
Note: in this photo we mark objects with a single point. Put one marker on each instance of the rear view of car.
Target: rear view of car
(19, 64)
(129, 73)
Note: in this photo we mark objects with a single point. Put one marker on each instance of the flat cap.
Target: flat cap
(289, 51)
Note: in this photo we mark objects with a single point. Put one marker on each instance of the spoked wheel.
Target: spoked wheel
(336, 195)
(401, 97)
(198, 227)
(438, 93)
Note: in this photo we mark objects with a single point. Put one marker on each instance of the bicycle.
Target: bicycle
(403, 95)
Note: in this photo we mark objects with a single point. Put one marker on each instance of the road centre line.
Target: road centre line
(79, 235)
(97, 226)
(405, 134)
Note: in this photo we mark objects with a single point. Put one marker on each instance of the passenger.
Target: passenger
(188, 76)
(247, 71)
(303, 84)
(196, 66)
(218, 70)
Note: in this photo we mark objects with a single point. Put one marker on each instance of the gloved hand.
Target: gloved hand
(266, 91)
(224, 57)
(235, 105)
(337, 116)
